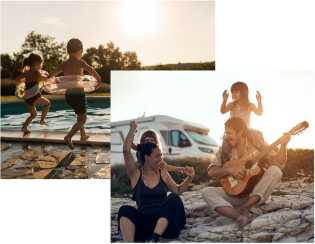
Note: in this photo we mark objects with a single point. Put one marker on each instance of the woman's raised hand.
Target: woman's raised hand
(225, 95)
(134, 125)
(189, 171)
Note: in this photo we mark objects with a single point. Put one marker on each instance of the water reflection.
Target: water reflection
(60, 117)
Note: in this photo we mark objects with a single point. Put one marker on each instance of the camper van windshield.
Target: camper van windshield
(202, 138)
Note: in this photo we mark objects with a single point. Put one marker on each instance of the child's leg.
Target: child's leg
(81, 119)
(257, 138)
(225, 152)
(33, 116)
(43, 102)
(84, 136)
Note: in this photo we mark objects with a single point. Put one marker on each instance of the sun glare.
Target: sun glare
(139, 17)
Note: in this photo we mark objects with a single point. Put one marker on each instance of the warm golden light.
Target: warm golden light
(139, 17)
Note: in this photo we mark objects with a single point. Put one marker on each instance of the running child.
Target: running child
(241, 107)
(152, 136)
(31, 68)
(75, 97)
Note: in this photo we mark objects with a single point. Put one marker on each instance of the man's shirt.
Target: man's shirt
(216, 161)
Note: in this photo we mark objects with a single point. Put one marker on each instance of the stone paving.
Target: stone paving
(283, 218)
(33, 160)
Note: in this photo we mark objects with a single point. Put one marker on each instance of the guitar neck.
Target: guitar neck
(267, 150)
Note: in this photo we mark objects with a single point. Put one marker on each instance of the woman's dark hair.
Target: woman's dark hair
(74, 45)
(145, 149)
(30, 60)
(243, 89)
(238, 125)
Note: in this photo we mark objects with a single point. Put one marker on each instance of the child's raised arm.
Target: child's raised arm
(134, 146)
(225, 108)
(258, 111)
(20, 77)
(171, 168)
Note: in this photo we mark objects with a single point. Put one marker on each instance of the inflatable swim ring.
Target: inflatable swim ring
(60, 84)
(21, 93)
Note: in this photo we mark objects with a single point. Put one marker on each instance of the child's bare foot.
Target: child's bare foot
(43, 122)
(243, 221)
(25, 130)
(69, 142)
(85, 137)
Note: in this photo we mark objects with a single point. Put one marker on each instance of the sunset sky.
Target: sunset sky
(196, 96)
(159, 32)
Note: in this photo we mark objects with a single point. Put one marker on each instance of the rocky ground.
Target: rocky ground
(21, 160)
(287, 216)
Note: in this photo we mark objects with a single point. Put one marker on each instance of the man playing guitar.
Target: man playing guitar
(216, 197)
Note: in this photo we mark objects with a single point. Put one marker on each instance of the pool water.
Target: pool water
(60, 117)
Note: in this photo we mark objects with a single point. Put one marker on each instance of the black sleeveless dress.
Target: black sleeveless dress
(153, 204)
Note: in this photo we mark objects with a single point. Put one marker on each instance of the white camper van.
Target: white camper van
(178, 137)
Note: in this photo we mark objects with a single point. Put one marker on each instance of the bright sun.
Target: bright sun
(139, 17)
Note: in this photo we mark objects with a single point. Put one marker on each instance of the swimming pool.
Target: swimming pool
(60, 116)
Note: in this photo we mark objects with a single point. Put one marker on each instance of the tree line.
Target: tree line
(102, 59)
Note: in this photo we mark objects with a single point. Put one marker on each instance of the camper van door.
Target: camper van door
(177, 143)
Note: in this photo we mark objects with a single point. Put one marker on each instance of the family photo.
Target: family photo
(220, 163)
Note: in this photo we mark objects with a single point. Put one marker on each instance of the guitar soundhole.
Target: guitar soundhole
(248, 164)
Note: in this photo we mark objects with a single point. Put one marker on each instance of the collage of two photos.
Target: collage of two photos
(131, 95)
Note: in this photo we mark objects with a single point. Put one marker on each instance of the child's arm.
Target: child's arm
(40, 77)
(134, 146)
(92, 72)
(171, 168)
(55, 72)
(258, 111)
(20, 77)
(225, 108)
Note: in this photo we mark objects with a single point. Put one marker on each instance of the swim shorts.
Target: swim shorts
(31, 100)
(76, 100)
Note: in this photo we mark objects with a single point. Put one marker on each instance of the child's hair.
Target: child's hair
(74, 45)
(145, 149)
(238, 125)
(243, 89)
(30, 60)
(152, 134)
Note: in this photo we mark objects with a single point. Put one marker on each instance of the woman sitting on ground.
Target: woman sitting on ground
(157, 214)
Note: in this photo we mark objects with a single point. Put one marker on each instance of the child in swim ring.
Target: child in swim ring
(242, 108)
(32, 66)
(152, 136)
(75, 97)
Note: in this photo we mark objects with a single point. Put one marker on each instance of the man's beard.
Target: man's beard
(236, 141)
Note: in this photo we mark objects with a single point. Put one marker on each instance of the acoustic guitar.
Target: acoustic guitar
(252, 162)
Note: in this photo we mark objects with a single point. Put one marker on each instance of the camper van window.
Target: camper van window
(202, 138)
(165, 136)
(179, 139)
